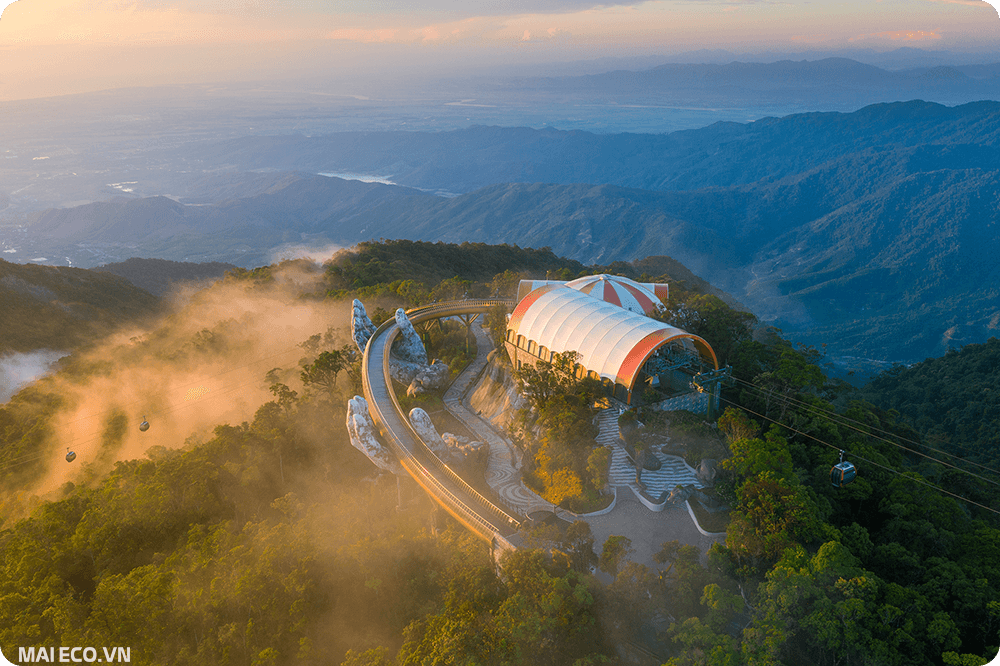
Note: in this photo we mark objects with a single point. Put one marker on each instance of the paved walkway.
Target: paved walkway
(501, 471)
(648, 530)
(673, 470)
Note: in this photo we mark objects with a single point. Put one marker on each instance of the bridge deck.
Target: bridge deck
(456, 496)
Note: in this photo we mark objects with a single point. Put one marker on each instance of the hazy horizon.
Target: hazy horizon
(59, 47)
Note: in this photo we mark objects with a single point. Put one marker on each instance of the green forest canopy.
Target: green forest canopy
(274, 542)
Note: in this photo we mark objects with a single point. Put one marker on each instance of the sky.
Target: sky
(51, 47)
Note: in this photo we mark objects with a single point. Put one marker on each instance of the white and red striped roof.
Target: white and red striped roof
(611, 341)
(618, 291)
(641, 298)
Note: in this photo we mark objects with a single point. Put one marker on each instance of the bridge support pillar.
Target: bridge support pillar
(435, 521)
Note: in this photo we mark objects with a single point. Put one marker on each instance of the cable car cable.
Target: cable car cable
(86, 442)
(942, 462)
(924, 455)
(835, 416)
(29, 457)
(870, 462)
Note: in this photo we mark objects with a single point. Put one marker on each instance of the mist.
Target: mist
(18, 369)
(314, 253)
(204, 363)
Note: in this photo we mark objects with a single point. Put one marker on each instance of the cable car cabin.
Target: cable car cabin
(70, 455)
(144, 426)
(842, 474)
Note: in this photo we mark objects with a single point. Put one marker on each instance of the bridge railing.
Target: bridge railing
(406, 457)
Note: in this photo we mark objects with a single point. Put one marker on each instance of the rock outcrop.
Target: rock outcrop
(408, 346)
(362, 327)
(362, 432)
(431, 377)
(463, 450)
(680, 494)
(707, 471)
(448, 447)
(404, 372)
(495, 396)
(408, 361)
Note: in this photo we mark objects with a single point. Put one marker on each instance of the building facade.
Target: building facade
(637, 358)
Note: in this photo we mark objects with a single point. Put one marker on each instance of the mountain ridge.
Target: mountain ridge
(797, 229)
(721, 154)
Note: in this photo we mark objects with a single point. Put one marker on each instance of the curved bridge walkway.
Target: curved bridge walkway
(502, 472)
(470, 508)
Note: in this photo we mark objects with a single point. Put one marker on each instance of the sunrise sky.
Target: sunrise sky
(50, 47)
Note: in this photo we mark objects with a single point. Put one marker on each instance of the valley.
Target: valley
(867, 231)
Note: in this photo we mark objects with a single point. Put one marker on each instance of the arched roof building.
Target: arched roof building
(615, 344)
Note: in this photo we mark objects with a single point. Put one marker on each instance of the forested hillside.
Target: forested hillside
(242, 527)
(954, 401)
(160, 276)
(47, 307)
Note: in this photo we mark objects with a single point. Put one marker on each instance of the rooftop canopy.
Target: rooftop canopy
(639, 297)
(612, 341)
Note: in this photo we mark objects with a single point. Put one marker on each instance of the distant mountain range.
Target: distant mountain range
(829, 83)
(282, 208)
(872, 231)
(722, 154)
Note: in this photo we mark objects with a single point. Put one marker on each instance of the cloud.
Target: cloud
(816, 38)
(970, 3)
(460, 8)
(472, 29)
(315, 253)
(365, 36)
(900, 36)
(18, 369)
(447, 9)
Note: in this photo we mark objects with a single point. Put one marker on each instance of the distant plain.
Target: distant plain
(229, 173)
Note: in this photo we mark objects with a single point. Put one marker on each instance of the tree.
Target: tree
(542, 382)
(597, 466)
(452, 289)
(286, 396)
(504, 285)
(616, 550)
(710, 318)
(374, 657)
(495, 322)
(579, 543)
(541, 616)
(324, 370)
(736, 425)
